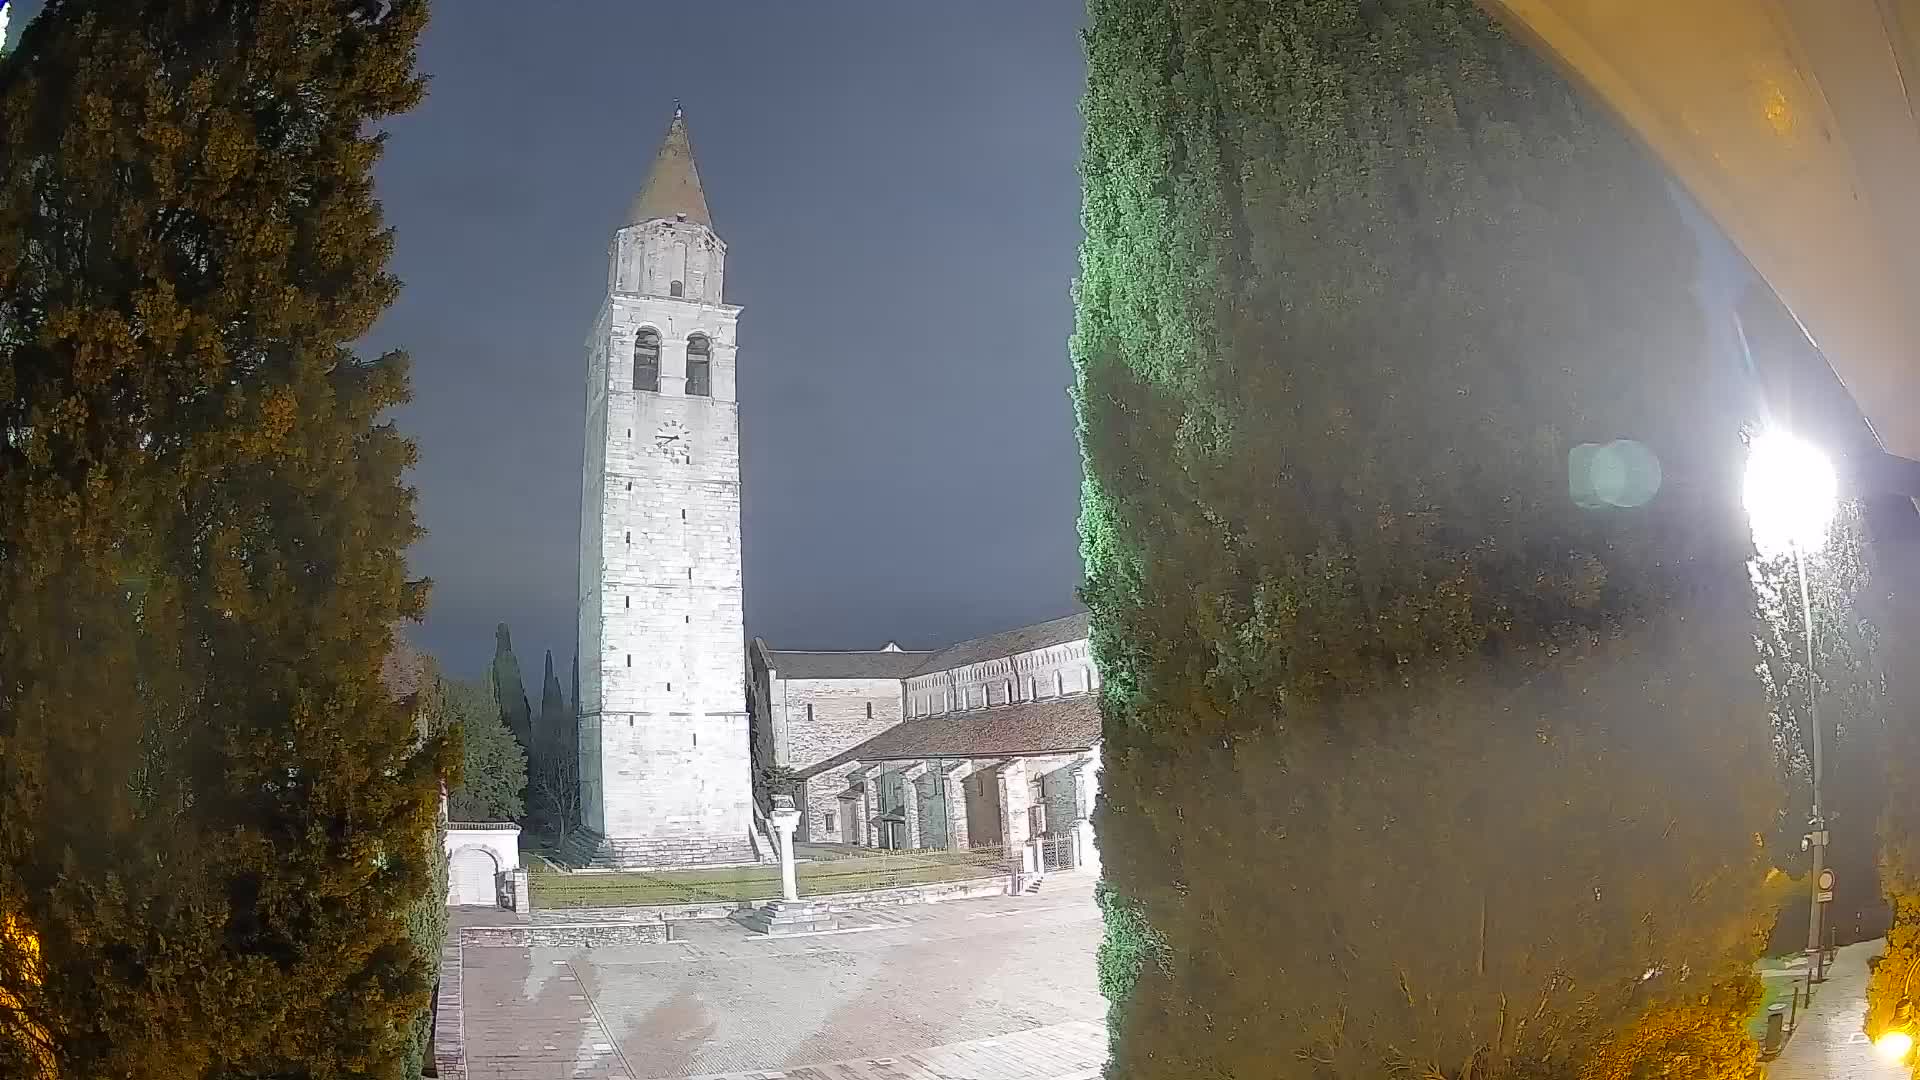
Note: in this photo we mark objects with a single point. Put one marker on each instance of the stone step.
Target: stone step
(779, 917)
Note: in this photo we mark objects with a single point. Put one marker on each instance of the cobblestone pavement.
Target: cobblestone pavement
(1829, 1043)
(903, 993)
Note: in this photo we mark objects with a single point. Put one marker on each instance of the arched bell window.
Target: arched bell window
(646, 361)
(699, 366)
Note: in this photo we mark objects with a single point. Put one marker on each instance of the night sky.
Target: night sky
(896, 186)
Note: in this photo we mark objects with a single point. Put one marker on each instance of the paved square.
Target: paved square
(934, 990)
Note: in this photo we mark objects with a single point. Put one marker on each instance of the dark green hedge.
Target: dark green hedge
(1412, 762)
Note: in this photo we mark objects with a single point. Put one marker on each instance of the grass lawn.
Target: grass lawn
(835, 874)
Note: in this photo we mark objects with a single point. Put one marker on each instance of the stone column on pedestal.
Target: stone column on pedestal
(785, 819)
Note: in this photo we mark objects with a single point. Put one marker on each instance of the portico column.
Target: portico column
(1012, 778)
(870, 812)
(953, 798)
(910, 798)
(1086, 785)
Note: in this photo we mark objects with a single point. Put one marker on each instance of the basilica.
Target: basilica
(687, 730)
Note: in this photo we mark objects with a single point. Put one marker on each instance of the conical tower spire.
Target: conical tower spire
(673, 187)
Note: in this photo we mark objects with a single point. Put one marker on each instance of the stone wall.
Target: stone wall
(580, 935)
(814, 719)
(449, 1016)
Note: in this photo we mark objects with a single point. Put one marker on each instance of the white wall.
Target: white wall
(476, 856)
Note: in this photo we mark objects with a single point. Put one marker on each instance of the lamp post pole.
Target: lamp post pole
(1790, 493)
(1817, 840)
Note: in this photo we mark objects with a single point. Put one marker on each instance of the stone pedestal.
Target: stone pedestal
(778, 917)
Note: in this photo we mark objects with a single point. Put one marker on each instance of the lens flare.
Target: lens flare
(1894, 1045)
(1790, 493)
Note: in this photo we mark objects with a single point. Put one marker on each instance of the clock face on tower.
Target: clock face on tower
(672, 442)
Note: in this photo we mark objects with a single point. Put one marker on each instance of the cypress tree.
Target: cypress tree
(509, 689)
(1430, 748)
(212, 812)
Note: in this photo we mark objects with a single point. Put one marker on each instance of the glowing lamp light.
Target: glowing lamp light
(1790, 494)
(1893, 1046)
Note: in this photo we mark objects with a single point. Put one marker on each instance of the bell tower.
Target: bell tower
(665, 769)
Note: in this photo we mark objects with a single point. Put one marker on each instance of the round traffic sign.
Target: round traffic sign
(1826, 880)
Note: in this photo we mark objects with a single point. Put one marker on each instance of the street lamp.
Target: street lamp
(1897, 1041)
(1790, 493)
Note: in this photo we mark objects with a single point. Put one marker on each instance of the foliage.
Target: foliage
(1411, 765)
(553, 785)
(493, 781)
(509, 690)
(1894, 528)
(1850, 686)
(1687, 1039)
(427, 920)
(554, 797)
(211, 810)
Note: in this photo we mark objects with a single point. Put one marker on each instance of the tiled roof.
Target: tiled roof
(876, 664)
(1028, 729)
(1007, 643)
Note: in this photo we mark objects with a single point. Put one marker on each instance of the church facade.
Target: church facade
(685, 729)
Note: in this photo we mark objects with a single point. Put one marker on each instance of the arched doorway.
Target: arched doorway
(472, 874)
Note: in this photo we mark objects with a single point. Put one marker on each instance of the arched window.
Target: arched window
(699, 367)
(646, 361)
(676, 289)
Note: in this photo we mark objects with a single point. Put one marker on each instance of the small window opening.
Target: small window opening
(683, 515)
(669, 688)
(646, 362)
(699, 366)
(828, 820)
(809, 714)
(869, 710)
(629, 485)
(629, 536)
(629, 659)
(676, 289)
(628, 601)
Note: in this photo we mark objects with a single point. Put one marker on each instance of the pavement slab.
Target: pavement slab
(987, 989)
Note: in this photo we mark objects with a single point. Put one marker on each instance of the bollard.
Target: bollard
(1776, 1029)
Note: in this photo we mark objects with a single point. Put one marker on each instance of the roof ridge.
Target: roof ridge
(832, 652)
